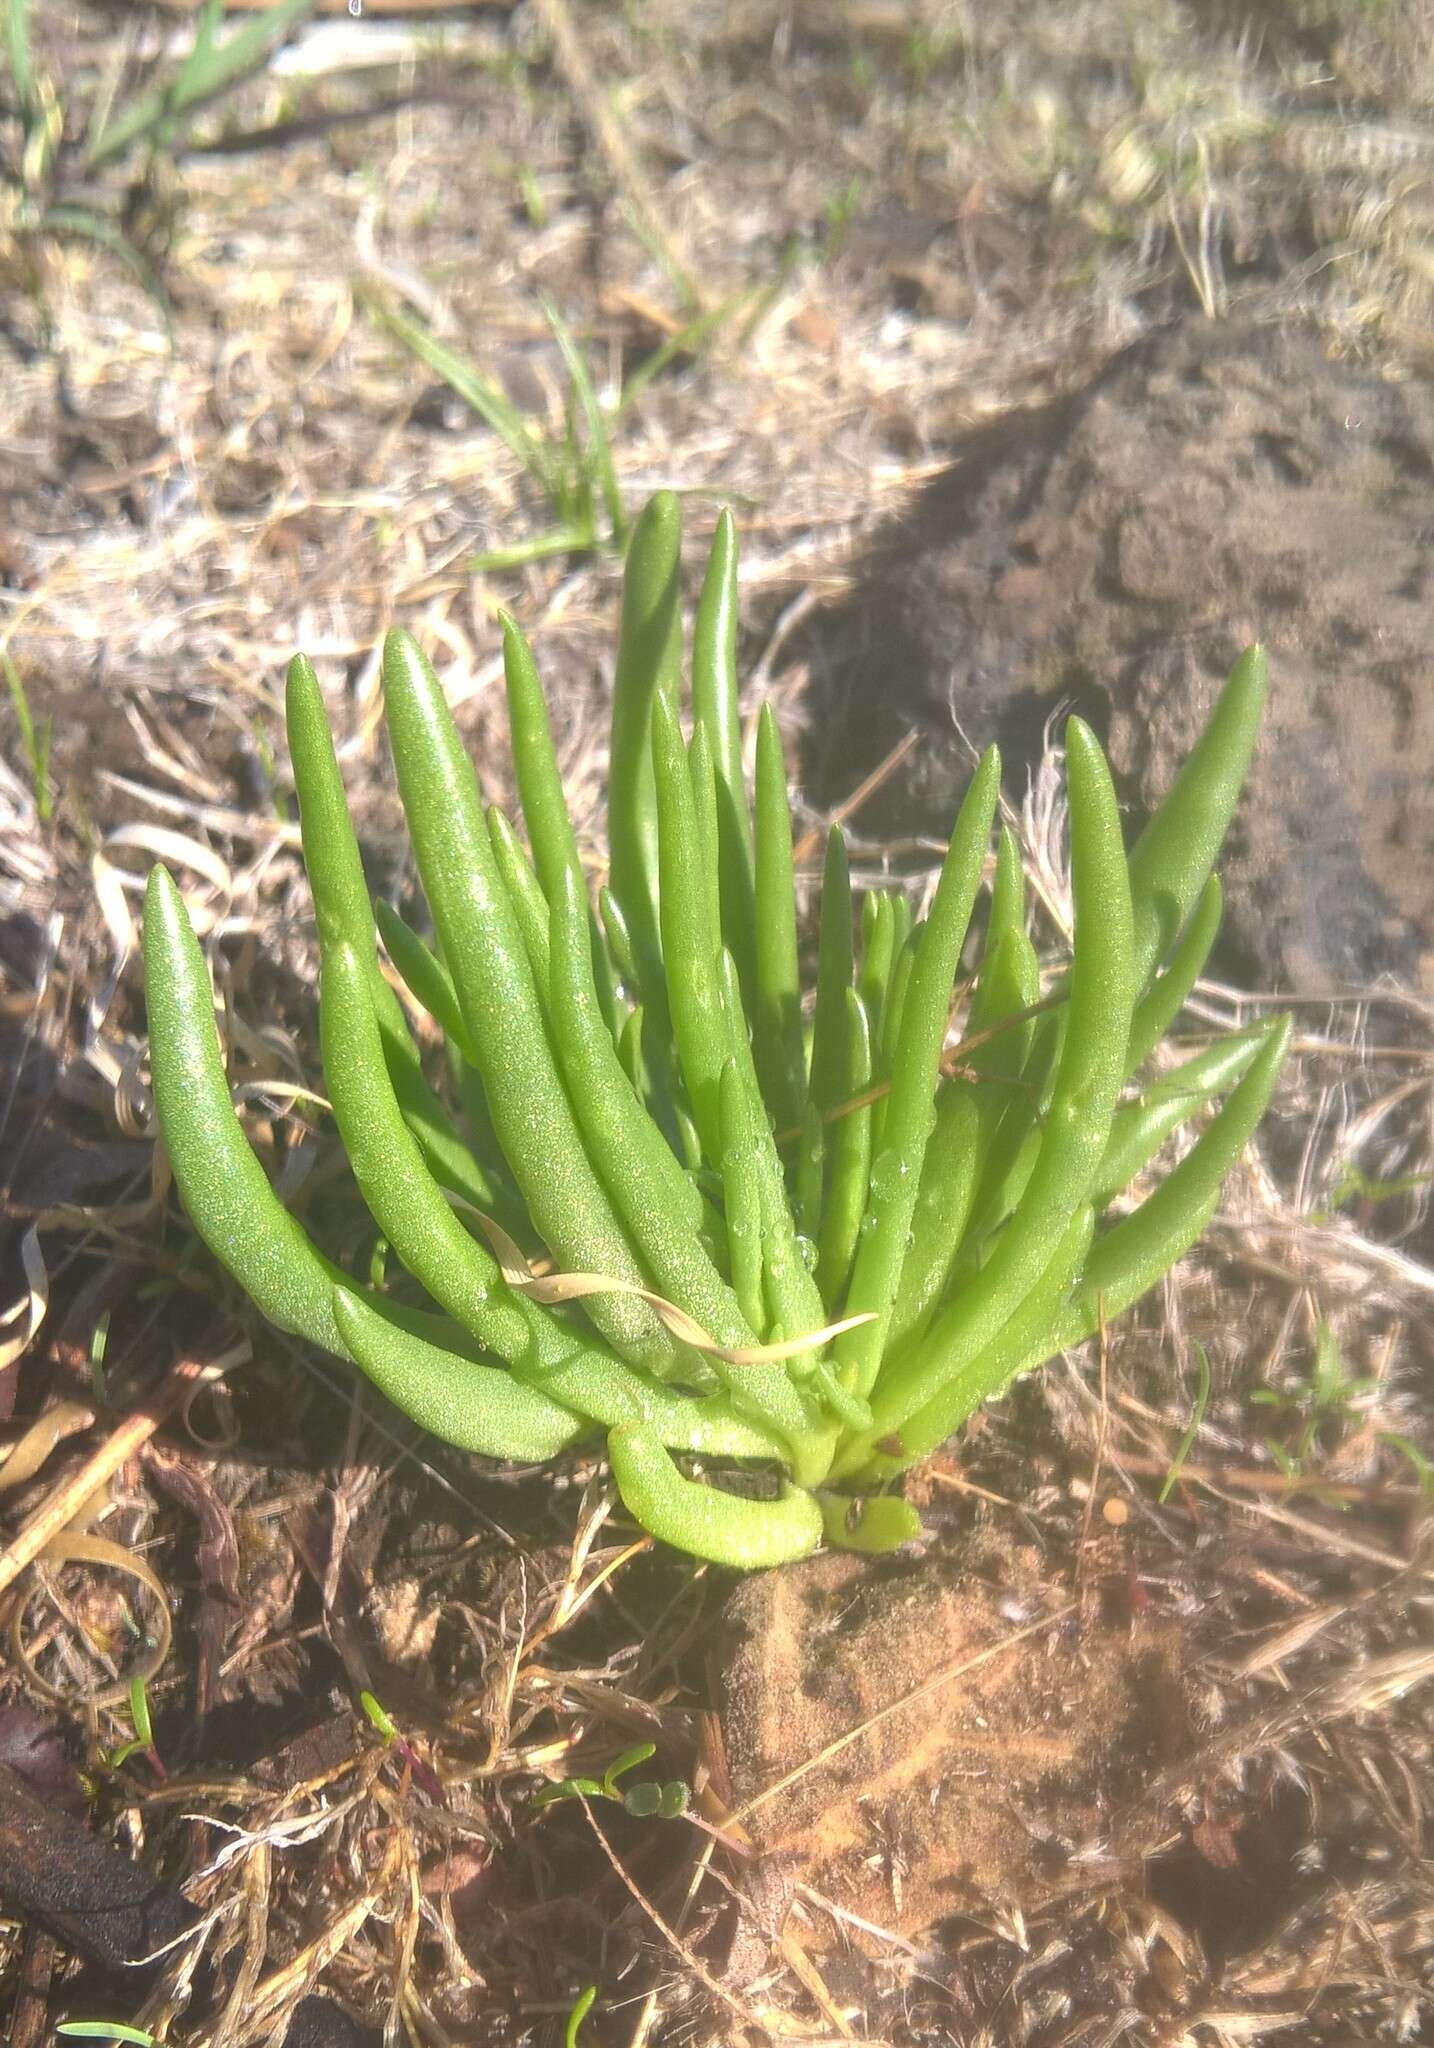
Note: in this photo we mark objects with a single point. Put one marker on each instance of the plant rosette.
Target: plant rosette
(802, 1242)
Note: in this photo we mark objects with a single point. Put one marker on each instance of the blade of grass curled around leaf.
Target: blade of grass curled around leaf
(1077, 1125)
(724, 1528)
(658, 1205)
(1170, 990)
(910, 1106)
(790, 1288)
(875, 1524)
(225, 1190)
(950, 1176)
(483, 946)
(474, 1407)
(598, 454)
(648, 659)
(1172, 860)
(530, 906)
(849, 1160)
(777, 1010)
(1025, 1342)
(834, 976)
(1141, 1128)
(422, 972)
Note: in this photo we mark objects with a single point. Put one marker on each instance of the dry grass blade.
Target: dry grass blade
(553, 1288)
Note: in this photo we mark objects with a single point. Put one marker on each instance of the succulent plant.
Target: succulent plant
(781, 1261)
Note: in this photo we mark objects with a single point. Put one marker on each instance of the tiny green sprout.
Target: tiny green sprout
(582, 2006)
(638, 1199)
(379, 1717)
(36, 736)
(1329, 1398)
(644, 1802)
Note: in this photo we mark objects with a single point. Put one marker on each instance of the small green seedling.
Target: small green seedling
(644, 1802)
(1354, 1189)
(1193, 1427)
(1330, 1398)
(423, 1774)
(143, 1740)
(50, 186)
(379, 1717)
(35, 738)
(582, 2006)
(821, 1313)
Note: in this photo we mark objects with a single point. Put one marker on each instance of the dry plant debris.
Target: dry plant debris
(939, 214)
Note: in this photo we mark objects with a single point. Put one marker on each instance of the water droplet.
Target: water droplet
(808, 1253)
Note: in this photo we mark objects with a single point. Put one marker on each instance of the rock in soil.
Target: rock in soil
(991, 1792)
(1215, 484)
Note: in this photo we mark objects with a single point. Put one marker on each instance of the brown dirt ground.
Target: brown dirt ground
(929, 215)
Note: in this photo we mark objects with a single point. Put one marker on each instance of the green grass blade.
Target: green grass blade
(1170, 990)
(599, 446)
